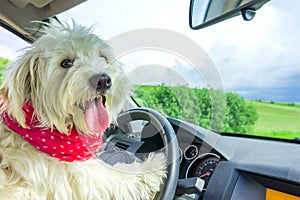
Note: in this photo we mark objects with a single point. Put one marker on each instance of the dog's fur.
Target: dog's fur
(56, 93)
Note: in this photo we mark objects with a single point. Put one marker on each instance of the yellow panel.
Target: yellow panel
(275, 195)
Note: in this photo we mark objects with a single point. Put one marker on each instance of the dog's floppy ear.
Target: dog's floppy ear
(18, 85)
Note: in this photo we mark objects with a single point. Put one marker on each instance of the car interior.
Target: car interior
(203, 164)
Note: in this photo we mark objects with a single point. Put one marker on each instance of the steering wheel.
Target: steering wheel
(170, 143)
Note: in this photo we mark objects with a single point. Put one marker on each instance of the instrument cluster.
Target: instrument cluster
(197, 164)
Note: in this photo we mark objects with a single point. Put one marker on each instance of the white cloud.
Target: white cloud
(157, 67)
(118, 16)
(262, 53)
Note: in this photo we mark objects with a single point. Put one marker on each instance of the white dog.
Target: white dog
(56, 101)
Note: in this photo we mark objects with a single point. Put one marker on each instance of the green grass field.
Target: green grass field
(281, 120)
(275, 119)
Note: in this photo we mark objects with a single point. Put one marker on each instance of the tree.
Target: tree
(209, 108)
(240, 116)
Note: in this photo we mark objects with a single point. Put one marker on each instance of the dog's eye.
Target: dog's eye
(67, 63)
(106, 59)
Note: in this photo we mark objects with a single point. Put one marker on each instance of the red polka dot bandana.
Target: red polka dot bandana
(72, 147)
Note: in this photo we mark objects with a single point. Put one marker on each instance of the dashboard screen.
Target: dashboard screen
(276, 195)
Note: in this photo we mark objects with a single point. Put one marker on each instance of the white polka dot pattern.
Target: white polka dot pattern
(69, 148)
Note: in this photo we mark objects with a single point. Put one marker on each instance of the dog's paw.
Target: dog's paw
(149, 175)
(155, 170)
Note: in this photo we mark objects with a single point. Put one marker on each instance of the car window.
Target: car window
(9, 48)
(258, 62)
(235, 76)
(10, 44)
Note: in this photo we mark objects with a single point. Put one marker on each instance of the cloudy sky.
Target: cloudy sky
(258, 59)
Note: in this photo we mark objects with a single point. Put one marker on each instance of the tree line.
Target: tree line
(208, 108)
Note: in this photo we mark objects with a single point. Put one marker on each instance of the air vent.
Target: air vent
(122, 145)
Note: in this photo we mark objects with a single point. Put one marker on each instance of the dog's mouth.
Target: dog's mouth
(95, 114)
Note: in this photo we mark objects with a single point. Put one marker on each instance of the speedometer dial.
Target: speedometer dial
(203, 167)
(206, 168)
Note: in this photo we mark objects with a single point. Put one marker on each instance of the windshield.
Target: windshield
(235, 76)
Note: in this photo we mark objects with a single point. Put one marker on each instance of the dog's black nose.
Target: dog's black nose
(101, 82)
(104, 82)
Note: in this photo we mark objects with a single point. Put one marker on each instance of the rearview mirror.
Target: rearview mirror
(204, 13)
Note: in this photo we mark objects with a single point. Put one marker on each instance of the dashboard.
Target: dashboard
(232, 167)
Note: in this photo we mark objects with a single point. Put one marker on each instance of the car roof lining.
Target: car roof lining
(18, 15)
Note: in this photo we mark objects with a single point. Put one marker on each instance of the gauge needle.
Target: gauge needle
(206, 174)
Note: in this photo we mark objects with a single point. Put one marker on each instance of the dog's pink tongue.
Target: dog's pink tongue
(96, 116)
